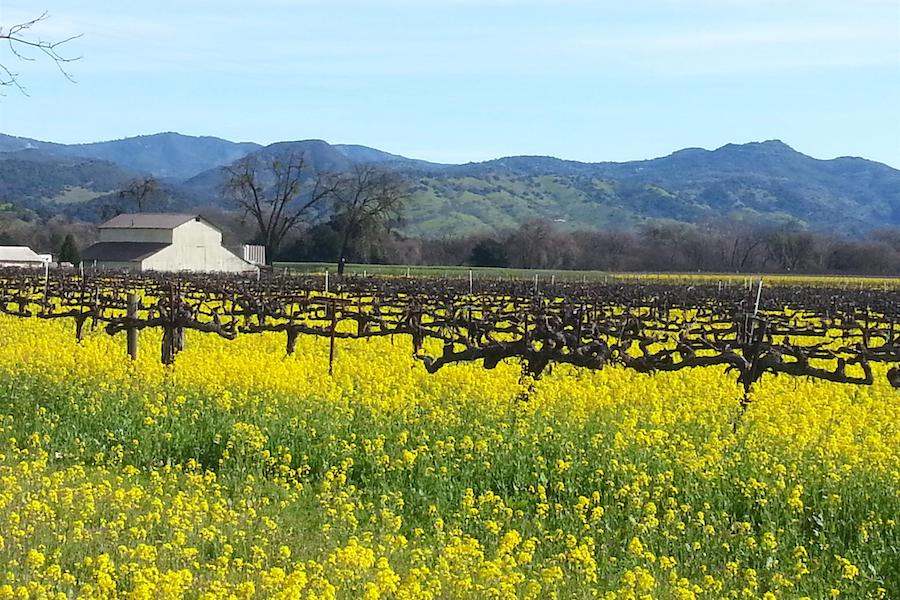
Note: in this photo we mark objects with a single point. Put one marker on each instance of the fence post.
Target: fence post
(331, 342)
(132, 332)
(168, 346)
(173, 336)
(179, 332)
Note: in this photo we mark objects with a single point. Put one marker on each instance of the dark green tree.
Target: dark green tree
(68, 251)
(489, 253)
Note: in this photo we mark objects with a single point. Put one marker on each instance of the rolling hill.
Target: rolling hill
(30, 176)
(165, 155)
(761, 181)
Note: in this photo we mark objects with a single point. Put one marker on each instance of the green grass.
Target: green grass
(75, 195)
(547, 275)
(458, 272)
(484, 205)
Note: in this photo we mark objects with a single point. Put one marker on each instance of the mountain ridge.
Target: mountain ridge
(757, 181)
(165, 155)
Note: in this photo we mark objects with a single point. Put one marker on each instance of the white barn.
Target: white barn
(163, 242)
(20, 256)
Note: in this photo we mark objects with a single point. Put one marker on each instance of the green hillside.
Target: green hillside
(468, 204)
(760, 181)
(29, 176)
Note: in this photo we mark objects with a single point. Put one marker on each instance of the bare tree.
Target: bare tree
(365, 199)
(743, 245)
(662, 245)
(791, 249)
(25, 45)
(540, 244)
(272, 194)
(604, 250)
(140, 190)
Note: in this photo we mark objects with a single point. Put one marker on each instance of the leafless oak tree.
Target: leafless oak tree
(365, 198)
(25, 45)
(140, 190)
(790, 248)
(271, 192)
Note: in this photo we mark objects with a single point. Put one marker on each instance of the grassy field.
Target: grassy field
(546, 275)
(443, 271)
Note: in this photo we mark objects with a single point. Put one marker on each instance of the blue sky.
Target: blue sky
(466, 80)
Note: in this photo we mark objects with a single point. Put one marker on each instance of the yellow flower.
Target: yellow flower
(35, 559)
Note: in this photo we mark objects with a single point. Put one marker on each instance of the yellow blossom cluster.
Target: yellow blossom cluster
(244, 473)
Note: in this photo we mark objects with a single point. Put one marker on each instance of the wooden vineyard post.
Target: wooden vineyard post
(331, 341)
(46, 282)
(178, 331)
(525, 331)
(132, 332)
(173, 335)
(292, 335)
(172, 343)
(80, 320)
(179, 338)
(168, 345)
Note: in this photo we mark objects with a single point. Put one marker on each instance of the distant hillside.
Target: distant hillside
(317, 156)
(29, 175)
(765, 181)
(364, 154)
(82, 188)
(165, 155)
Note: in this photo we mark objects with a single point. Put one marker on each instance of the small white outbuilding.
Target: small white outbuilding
(20, 256)
(163, 242)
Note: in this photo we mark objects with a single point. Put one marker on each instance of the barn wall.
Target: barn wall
(196, 233)
(19, 263)
(196, 258)
(124, 234)
(195, 246)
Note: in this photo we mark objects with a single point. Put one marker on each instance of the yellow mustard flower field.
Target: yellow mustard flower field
(241, 472)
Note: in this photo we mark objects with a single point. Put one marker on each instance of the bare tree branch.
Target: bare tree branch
(364, 198)
(272, 194)
(25, 46)
(140, 190)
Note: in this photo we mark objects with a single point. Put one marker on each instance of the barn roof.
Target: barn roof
(19, 254)
(151, 221)
(121, 251)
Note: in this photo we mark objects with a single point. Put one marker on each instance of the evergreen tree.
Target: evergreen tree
(68, 251)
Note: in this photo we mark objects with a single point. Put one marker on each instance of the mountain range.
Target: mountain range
(759, 181)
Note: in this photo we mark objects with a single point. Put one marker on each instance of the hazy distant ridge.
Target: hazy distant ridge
(166, 155)
(756, 181)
